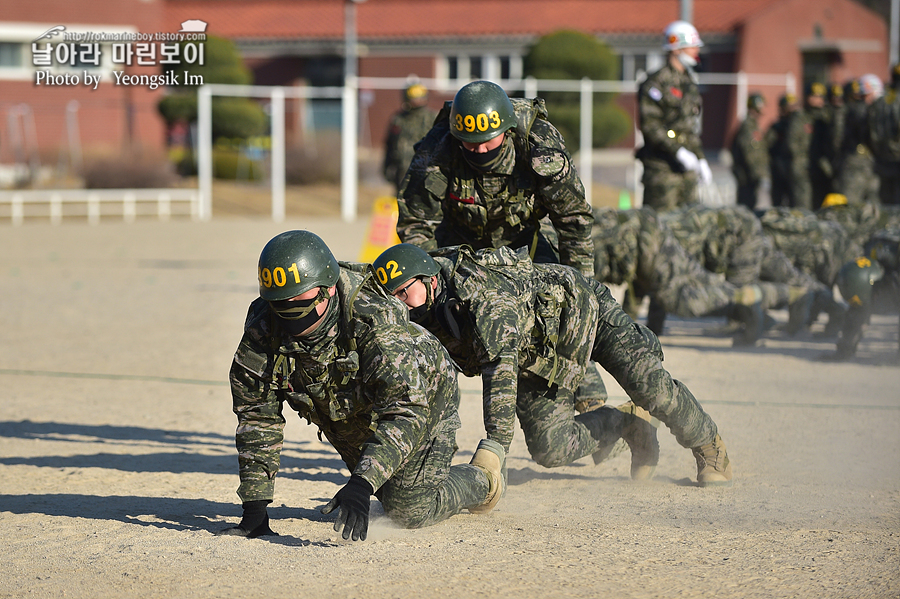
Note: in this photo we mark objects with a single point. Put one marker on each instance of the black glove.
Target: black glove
(353, 499)
(255, 522)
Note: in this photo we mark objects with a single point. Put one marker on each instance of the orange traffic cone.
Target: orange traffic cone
(382, 230)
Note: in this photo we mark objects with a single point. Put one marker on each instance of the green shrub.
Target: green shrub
(575, 55)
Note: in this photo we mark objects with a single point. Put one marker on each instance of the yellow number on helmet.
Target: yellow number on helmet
(470, 123)
(495, 119)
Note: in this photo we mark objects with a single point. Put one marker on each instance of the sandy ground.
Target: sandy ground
(117, 459)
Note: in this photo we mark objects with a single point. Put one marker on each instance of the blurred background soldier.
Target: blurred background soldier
(870, 282)
(670, 111)
(748, 151)
(779, 154)
(884, 140)
(799, 136)
(406, 128)
(633, 248)
(820, 155)
(856, 179)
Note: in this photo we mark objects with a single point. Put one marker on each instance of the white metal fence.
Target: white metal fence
(94, 204)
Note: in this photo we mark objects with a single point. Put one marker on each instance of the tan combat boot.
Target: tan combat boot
(640, 434)
(489, 458)
(713, 465)
(637, 431)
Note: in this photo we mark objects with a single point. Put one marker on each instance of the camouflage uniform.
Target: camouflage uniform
(884, 140)
(779, 160)
(406, 128)
(860, 220)
(751, 160)
(856, 178)
(634, 248)
(381, 390)
(529, 330)
(882, 249)
(670, 110)
(799, 132)
(730, 241)
(817, 247)
(445, 201)
(821, 171)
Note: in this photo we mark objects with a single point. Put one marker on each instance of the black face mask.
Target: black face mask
(482, 162)
(298, 315)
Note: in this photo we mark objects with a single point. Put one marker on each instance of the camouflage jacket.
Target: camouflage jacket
(855, 143)
(534, 178)
(514, 317)
(748, 150)
(406, 128)
(883, 117)
(726, 240)
(817, 247)
(670, 110)
(376, 386)
(799, 133)
(859, 219)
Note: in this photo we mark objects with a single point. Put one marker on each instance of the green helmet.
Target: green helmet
(480, 112)
(402, 262)
(856, 278)
(293, 263)
(755, 102)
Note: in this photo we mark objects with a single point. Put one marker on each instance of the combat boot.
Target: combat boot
(640, 434)
(748, 309)
(490, 459)
(800, 310)
(625, 425)
(713, 465)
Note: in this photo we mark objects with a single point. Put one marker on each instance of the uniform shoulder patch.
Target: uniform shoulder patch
(655, 94)
(547, 162)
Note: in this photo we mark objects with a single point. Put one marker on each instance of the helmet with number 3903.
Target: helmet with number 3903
(402, 262)
(294, 262)
(480, 112)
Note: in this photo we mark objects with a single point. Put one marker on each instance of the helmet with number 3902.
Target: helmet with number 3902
(402, 262)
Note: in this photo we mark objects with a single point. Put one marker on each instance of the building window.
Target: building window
(452, 68)
(10, 55)
(475, 71)
(505, 69)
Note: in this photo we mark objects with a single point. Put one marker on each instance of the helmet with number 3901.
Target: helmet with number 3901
(480, 112)
(294, 262)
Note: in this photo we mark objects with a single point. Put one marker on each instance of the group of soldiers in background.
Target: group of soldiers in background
(844, 139)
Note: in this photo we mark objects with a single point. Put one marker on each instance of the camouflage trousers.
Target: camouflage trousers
(427, 489)
(665, 189)
(889, 183)
(857, 179)
(632, 354)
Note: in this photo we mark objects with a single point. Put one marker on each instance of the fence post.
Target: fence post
(18, 210)
(587, 138)
(204, 151)
(278, 162)
(94, 209)
(56, 209)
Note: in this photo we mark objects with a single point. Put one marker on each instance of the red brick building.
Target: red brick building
(111, 116)
(287, 42)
